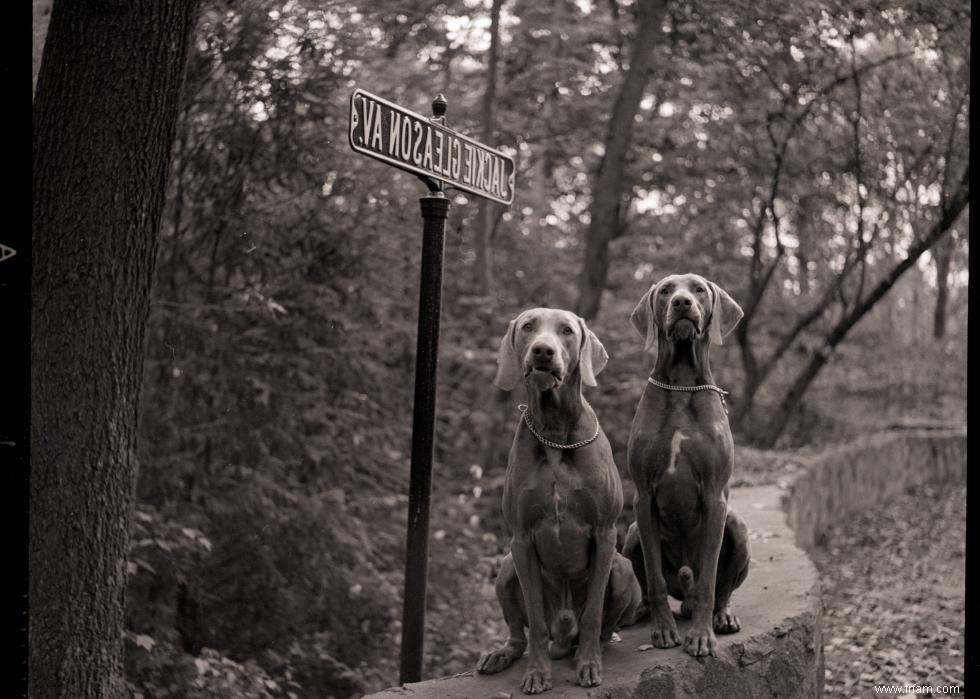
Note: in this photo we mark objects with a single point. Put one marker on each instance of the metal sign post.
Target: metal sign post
(435, 210)
(437, 155)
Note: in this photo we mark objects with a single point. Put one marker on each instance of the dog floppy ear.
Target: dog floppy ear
(725, 314)
(592, 355)
(643, 320)
(508, 373)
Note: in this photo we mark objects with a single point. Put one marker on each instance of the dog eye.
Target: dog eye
(700, 290)
(664, 291)
(526, 326)
(567, 330)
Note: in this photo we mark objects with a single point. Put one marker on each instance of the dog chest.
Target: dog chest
(556, 505)
(556, 491)
(682, 449)
(562, 545)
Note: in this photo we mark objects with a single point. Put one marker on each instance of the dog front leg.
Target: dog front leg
(588, 657)
(663, 629)
(537, 676)
(700, 638)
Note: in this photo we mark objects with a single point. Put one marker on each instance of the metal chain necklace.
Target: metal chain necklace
(554, 445)
(691, 389)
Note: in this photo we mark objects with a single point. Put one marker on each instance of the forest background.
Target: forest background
(811, 159)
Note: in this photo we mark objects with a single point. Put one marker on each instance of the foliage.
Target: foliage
(165, 672)
(268, 543)
(801, 156)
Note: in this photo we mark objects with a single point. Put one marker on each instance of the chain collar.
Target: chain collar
(554, 445)
(691, 389)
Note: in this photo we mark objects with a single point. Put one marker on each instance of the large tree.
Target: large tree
(486, 213)
(859, 307)
(901, 144)
(104, 116)
(605, 213)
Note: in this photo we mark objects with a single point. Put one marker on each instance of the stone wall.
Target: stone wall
(846, 479)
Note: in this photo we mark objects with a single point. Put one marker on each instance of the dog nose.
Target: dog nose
(681, 300)
(543, 351)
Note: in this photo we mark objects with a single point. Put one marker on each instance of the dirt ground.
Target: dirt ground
(894, 594)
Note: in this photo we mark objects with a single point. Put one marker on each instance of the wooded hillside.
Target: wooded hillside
(811, 158)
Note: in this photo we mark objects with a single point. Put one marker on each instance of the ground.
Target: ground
(894, 594)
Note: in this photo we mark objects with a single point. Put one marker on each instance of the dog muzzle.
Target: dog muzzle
(543, 379)
(684, 329)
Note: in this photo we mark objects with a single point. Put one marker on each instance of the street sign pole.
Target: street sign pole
(435, 210)
(439, 156)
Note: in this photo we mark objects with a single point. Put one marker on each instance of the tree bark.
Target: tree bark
(944, 258)
(757, 372)
(608, 190)
(485, 213)
(104, 116)
(791, 399)
(543, 150)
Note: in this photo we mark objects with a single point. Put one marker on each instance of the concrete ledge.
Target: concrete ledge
(778, 652)
(849, 478)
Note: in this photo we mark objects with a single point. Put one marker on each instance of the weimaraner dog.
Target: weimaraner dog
(685, 541)
(563, 578)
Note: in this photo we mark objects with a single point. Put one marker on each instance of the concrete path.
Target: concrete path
(777, 653)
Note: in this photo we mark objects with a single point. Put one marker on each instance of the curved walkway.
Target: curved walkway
(777, 652)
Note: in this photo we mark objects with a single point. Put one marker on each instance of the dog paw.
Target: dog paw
(536, 680)
(498, 660)
(700, 641)
(589, 672)
(663, 631)
(724, 621)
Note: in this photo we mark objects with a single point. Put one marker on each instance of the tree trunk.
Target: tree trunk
(741, 412)
(484, 212)
(757, 372)
(804, 243)
(742, 407)
(104, 117)
(607, 194)
(542, 151)
(944, 258)
(791, 400)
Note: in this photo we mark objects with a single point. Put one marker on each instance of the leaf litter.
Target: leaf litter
(894, 593)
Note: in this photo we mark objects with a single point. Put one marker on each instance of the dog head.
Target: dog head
(545, 346)
(685, 307)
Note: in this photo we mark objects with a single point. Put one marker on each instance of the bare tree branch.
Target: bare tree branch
(948, 217)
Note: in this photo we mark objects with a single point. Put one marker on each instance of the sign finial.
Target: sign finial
(439, 105)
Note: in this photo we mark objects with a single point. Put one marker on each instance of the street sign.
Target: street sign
(439, 157)
(409, 141)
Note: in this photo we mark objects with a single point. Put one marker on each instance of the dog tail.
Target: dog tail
(566, 626)
(564, 631)
(686, 576)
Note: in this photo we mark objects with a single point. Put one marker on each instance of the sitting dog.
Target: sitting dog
(685, 540)
(563, 578)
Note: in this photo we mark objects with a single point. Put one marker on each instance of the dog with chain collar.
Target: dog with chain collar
(563, 579)
(686, 541)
